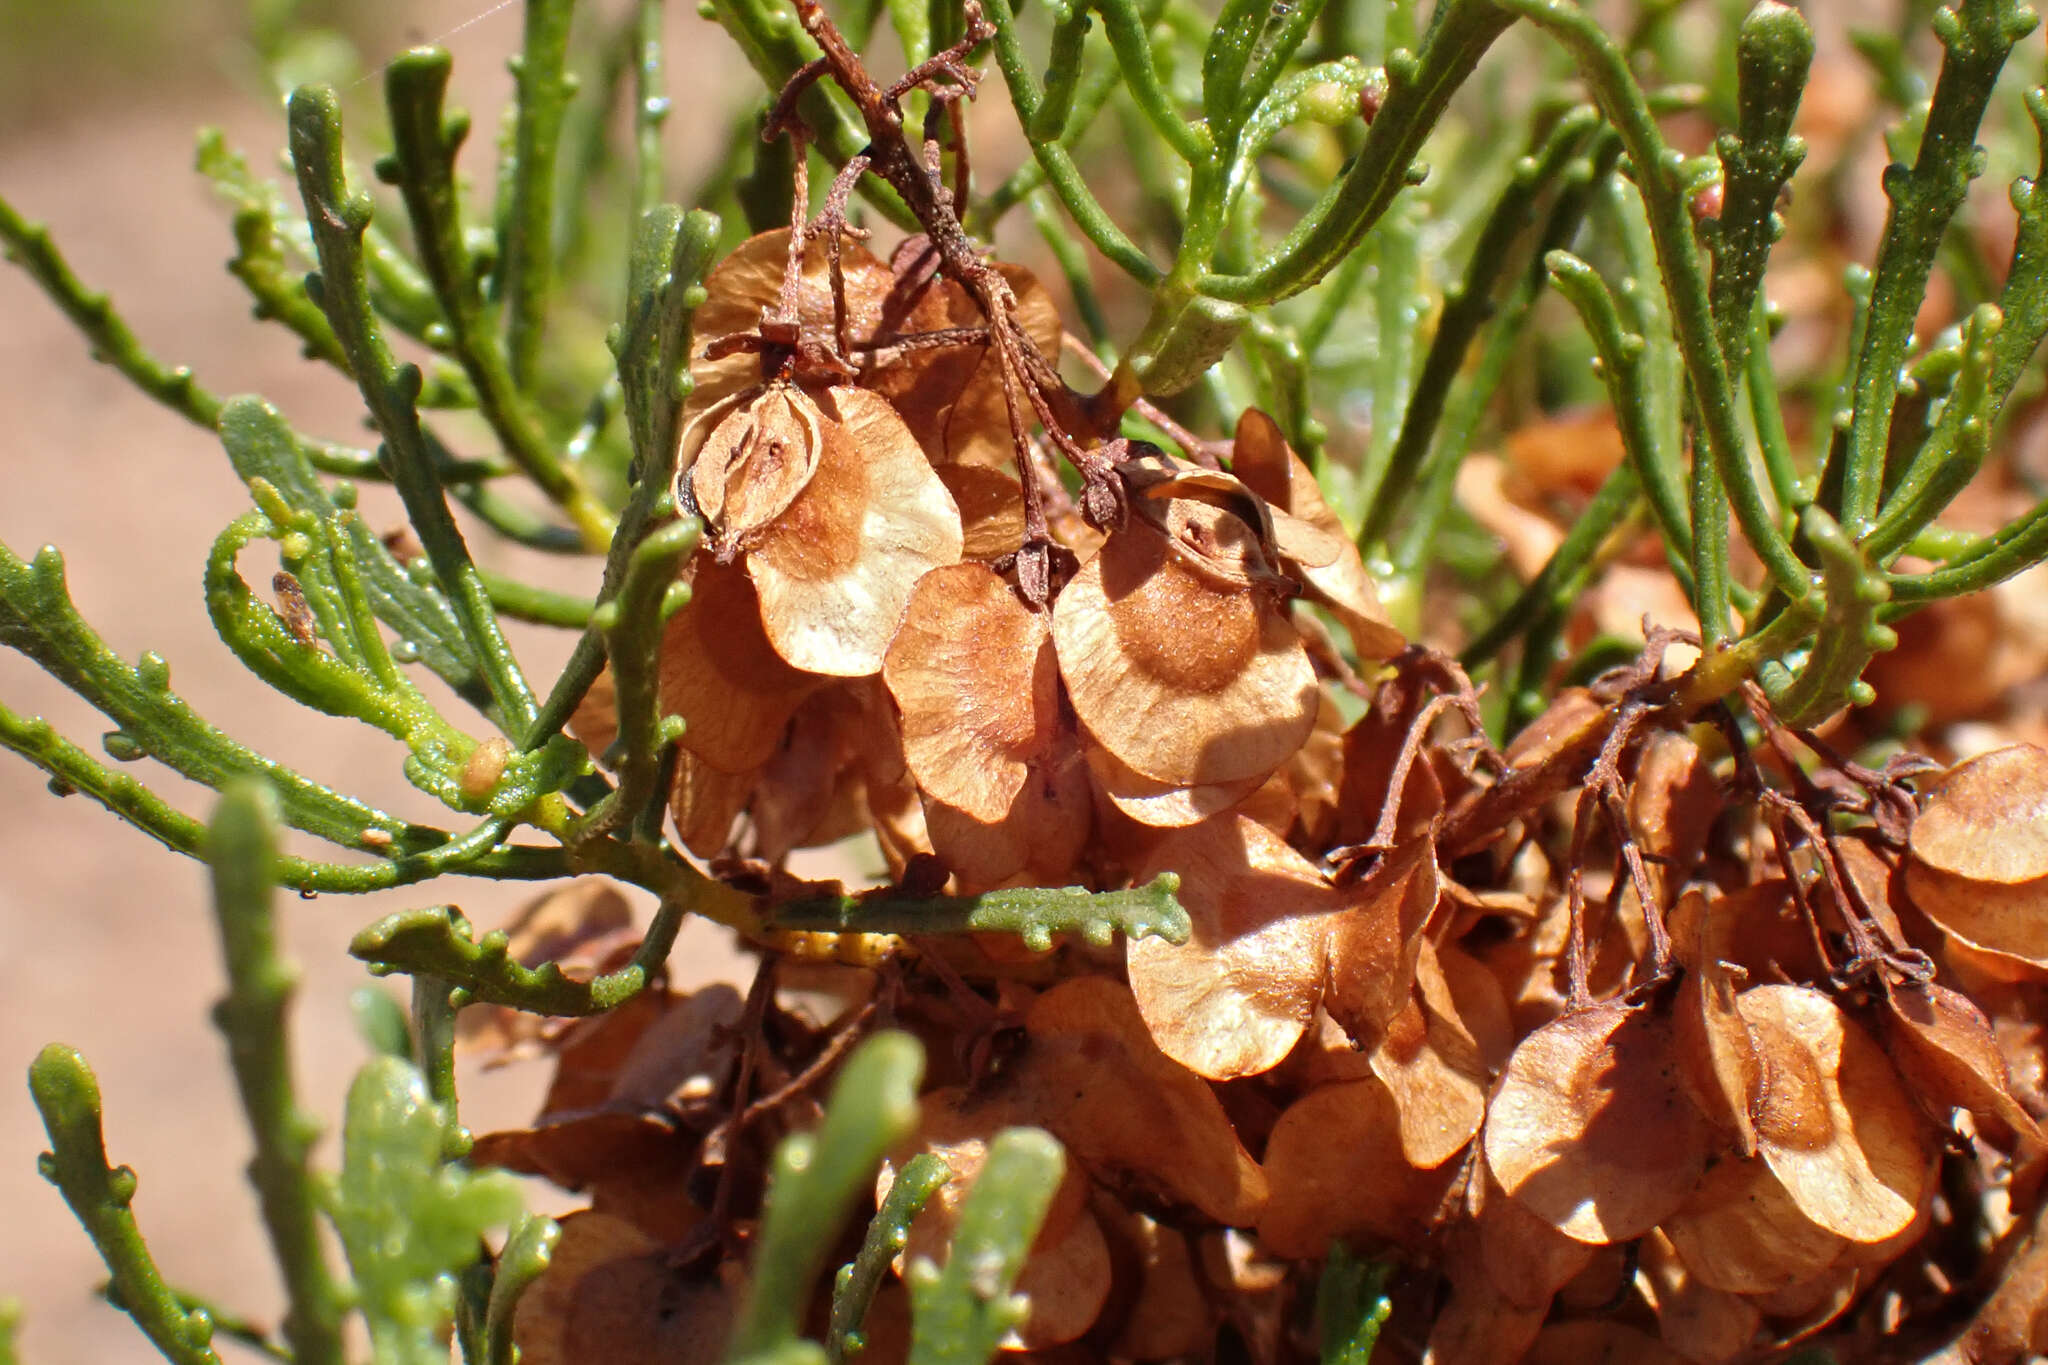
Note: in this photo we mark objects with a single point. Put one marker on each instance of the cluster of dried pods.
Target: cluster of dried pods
(1627, 1042)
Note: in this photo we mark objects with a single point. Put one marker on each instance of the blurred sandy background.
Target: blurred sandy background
(109, 943)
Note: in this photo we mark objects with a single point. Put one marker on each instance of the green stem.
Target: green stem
(72, 770)
(1976, 38)
(1466, 308)
(1055, 160)
(1418, 89)
(1132, 44)
(632, 623)
(651, 105)
(961, 1314)
(528, 1248)
(68, 1097)
(1658, 174)
(254, 1017)
(423, 167)
(1954, 452)
(390, 390)
(1773, 52)
(38, 619)
(532, 603)
(30, 246)
(1621, 367)
(888, 1232)
(813, 1182)
(1552, 587)
(526, 256)
(1033, 913)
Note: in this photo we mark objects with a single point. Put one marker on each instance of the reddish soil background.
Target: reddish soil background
(110, 943)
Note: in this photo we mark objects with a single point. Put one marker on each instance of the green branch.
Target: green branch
(68, 1097)
(1845, 638)
(526, 254)
(1055, 160)
(1661, 175)
(391, 390)
(1773, 52)
(1418, 89)
(1976, 40)
(960, 1314)
(334, 542)
(38, 619)
(254, 1017)
(1033, 913)
(853, 1289)
(813, 1181)
(664, 287)
(632, 625)
(31, 247)
(1466, 307)
(436, 941)
(422, 853)
(422, 165)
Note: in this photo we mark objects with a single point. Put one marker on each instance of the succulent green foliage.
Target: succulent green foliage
(254, 1017)
(1773, 53)
(1032, 913)
(68, 1096)
(436, 941)
(408, 1220)
(1351, 1306)
(528, 1248)
(1977, 37)
(814, 1180)
(961, 1312)
(853, 1289)
(10, 1320)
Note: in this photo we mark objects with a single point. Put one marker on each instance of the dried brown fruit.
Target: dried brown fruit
(1332, 573)
(1438, 1088)
(1176, 664)
(1740, 1231)
(973, 675)
(748, 282)
(1979, 860)
(1695, 1319)
(1598, 1341)
(1375, 944)
(1590, 1129)
(1162, 805)
(1523, 1257)
(1949, 1058)
(1092, 1075)
(1337, 1170)
(1042, 834)
(1237, 997)
(1832, 1120)
(613, 1293)
(722, 676)
(1169, 1314)
(836, 568)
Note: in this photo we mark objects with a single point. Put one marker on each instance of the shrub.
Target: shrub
(1244, 981)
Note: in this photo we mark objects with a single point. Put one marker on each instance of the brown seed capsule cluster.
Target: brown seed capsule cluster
(1620, 1044)
(857, 647)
